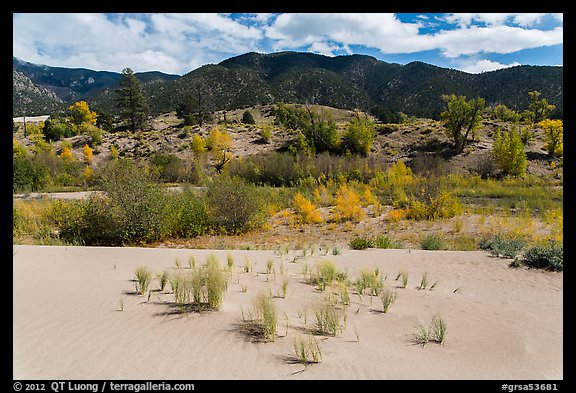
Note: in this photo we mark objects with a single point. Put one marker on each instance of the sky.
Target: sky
(180, 43)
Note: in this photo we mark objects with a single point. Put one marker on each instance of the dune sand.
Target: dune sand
(503, 323)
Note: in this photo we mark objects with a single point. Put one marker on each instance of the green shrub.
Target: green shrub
(549, 256)
(361, 243)
(233, 205)
(272, 168)
(433, 242)
(359, 135)
(131, 210)
(187, 214)
(500, 246)
(169, 167)
(29, 175)
(247, 118)
(508, 153)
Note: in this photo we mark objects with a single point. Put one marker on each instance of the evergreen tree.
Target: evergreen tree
(131, 100)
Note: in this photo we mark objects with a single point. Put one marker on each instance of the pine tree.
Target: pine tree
(131, 100)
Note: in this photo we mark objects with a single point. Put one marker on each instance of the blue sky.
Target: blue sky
(180, 43)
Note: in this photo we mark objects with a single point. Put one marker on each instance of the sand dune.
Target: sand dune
(503, 323)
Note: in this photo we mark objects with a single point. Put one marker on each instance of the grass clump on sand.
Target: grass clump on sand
(143, 279)
(263, 324)
(307, 350)
(163, 279)
(328, 320)
(436, 331)
(403, 275)
(201, 287)
(325, 274)
(388, 296)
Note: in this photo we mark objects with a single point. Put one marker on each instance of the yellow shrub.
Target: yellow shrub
(66, 154)
(307, 211)
(323, 196)
(113, 152)
(348, 205)
(88, 174)
(396, 215)
(87, 154)
(198, 144)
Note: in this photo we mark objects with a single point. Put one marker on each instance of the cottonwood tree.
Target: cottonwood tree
(553, 136)
(131, 100)
(538, 109)
(508, 153)
(461, 117)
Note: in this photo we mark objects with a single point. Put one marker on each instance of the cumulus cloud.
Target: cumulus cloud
(178, 43)
(484, 65)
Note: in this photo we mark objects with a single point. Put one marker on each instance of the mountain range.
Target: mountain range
(348, 82)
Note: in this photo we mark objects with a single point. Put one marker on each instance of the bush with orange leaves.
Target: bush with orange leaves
(307, 212)
(348, 205)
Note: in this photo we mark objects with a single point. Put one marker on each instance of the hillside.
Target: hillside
(70, 84)
(348, 82)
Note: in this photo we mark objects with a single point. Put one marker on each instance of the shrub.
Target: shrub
(348, 205)
(28, 174)
(233, 205)
(169, 167)
(132, 209)
(361, 243)
(443, 205)
(549, 256)
(553, 136)
(87, 154)
(266, 134)
(198, 145)
(508, 153)
(308, 213)
(113, 152)
(272, 168)
(247, 118)
(500, 246)
(359, 135)
(433, 242)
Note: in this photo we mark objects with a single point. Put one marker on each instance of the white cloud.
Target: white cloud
(323, 48)
(484, 65)
(495, 39)
(492, 19)
(178, 43)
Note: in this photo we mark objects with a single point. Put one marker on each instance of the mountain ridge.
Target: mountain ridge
(348, 82)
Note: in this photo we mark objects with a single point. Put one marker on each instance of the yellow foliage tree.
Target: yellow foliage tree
(553, 134)
(348, 205)
(307, 211)
(81, 113)
(66, 154)
(113, 152)
(220, 144)
(198, 145)
(88, 154)
(88, 174)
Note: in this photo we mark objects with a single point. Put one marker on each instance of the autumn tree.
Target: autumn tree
(538, 109)
(131, 100)
(508, 153)
(359, 135)
(461, 117)
(553, 134)
(87, 154)
(81, 113)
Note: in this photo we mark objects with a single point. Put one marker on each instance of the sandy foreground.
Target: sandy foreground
(503, 323)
